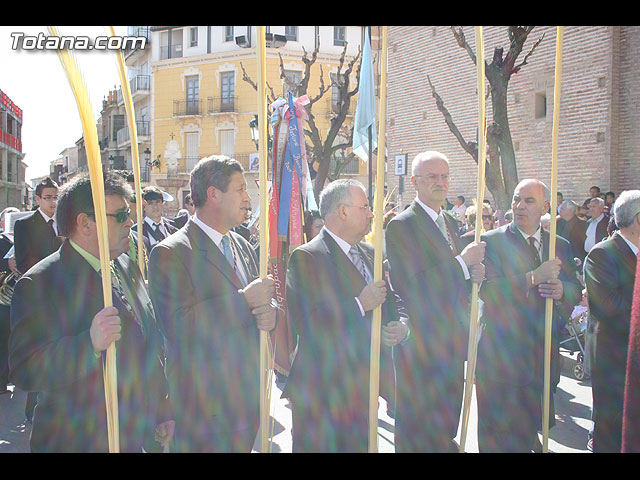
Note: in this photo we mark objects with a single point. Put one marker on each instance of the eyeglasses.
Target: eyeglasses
(366, 207)
(432, 177)
(121, 217)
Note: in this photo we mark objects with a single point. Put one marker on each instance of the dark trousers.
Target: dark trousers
(4, 346)
(319, 429)
(509, 416)
(428, 409)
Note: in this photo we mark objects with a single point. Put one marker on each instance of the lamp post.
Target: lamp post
(255, 132)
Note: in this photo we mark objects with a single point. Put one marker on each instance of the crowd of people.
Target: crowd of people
(188, 326)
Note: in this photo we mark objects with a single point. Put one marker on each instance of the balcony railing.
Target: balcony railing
(222, 104)
(142, 130)
(175, 52)
(137, 32)
(140, 83)
(187, 107)
(10, 140)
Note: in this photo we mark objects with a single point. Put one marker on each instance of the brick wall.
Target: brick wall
(598, 141)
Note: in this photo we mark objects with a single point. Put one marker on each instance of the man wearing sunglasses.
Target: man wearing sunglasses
(61, 330)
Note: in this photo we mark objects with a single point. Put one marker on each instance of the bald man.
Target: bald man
(510, 368)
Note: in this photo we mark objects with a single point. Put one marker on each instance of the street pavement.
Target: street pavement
(573, 412)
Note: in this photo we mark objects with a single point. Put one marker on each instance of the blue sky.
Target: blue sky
(36, 82)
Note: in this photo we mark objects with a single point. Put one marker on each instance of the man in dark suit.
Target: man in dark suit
(181, 220)
(572, 228)
(60, 330)
(155, 227)
(510, 365)
(330, 297)
(596, 225)
(36, 237)
(204, 286)
(432, 273)
(609, 273)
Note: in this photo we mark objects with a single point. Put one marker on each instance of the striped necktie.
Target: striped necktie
(357, 260)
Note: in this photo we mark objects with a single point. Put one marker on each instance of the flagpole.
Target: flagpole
(473, 322)
(374, 369)
(133, 135)
(552, 238)
(90, 134)
(264, 209)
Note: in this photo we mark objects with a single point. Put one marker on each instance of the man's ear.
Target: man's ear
(212, 192)
(83, 223)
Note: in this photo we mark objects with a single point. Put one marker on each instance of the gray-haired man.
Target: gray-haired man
(609, 272)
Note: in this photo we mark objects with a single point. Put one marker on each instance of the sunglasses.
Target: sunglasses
(120, 217)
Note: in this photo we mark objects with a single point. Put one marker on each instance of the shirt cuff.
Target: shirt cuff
(360, 306)
(465, 269)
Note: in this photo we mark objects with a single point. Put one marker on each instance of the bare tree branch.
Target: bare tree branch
(469, 147)
(526, 57)
(462, 42)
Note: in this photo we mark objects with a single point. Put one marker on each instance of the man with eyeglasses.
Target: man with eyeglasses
(61, 330)
(35, 237)
(432, 273)
(331, 295)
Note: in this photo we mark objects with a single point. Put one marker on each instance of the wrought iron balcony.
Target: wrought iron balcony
(187, 107)
(222, 104)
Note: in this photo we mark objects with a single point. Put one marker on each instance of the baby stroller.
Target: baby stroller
(574, 340)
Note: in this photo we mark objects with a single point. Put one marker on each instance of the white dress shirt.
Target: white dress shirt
(47, 218)
(216, 238)
(591, 239)
(537, 236)
(432, 213)
(161, 227)
(633, 248)
(345, 247)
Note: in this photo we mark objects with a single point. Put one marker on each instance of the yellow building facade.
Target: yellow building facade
(200, 104)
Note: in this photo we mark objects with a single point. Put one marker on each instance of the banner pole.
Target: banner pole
(552, 239)
(374, 368)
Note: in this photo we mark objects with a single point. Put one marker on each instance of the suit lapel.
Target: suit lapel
(429, 227)
(141, 301)
(343, 263)
(212, 253)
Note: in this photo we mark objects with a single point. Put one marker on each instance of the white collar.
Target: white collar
(151, 223)
(536, 235)
(46, 217)
(633, 248)
(432, 213)
(343, 244)
(597, 219)
(212, 233)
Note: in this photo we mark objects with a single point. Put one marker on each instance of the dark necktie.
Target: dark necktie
(534, 250)
(50, 222)
(116, 283)
(158, 233)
